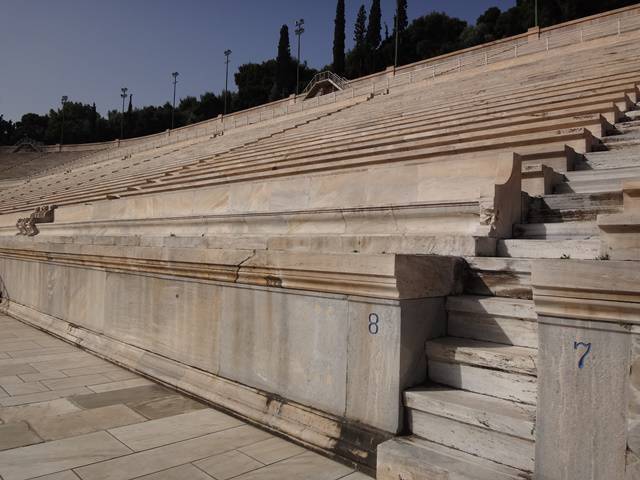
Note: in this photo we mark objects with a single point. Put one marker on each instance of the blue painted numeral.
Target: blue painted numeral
(587, 346)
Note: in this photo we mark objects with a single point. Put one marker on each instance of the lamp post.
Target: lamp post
(299, 31)
(536, 14)
(63, 101)
(226, 81)
(124, 96)
(395, 61)
(173, 110)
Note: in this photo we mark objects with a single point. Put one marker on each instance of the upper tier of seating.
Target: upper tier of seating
(510, 110)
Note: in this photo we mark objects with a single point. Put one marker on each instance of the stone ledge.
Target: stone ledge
(382, 276)
(607, 291)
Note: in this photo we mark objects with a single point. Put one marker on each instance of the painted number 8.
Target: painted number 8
(374, 328)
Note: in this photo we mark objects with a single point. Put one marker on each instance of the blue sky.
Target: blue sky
(88, 49)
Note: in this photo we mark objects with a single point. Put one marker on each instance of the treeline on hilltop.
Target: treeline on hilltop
(427, 36)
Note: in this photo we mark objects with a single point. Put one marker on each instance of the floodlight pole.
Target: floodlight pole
(124, 96)
(63, 101)
(226, 81)
(395, 61)
(536, 15)
(173, 110)
(299, 31)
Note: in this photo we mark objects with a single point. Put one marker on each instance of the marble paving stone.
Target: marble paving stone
(4, 355)
(42, 351)
(183, 472)
(308, 466)
(120, 374)
(272, 450)
(10, 379)
(66, 475)
(12, 346)
(14, 389)
(81, 381)
(51, 457)
(49, 342)
(356, 476)
(85, 421)
(162, 458)
(17, 434)
(42, 396)
(70, 361)
(228, 465)
(37, 411)
(127, 396)
(36, 377)
(104, 369)
(167, 407)
(120, 385)
(17, 369)
(154, 433)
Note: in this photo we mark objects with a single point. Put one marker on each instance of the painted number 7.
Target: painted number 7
(587, 347)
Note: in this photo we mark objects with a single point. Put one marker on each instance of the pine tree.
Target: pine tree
(375, 25)
(360, 29)
(283, 66)
(401, 19)
(339, 39)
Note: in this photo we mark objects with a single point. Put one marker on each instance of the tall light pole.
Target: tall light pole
(124, 97)
(173, 110)
(395, 61)
(536, 15)
(63, 100)
(226, 81)
(299, 31)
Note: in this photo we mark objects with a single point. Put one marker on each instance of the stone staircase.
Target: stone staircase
(475, 418)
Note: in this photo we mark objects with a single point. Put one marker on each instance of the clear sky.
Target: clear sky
(88, 49)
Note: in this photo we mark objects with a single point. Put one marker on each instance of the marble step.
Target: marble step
(493, 319)
(597, 181)
(628, 157)
(573, 207)
(567, 249)
(482, 442)
(633, 114)
(484, 354)
(502, 277)
(557, 231)
(414, 458)
(496, 414)
(495, 383)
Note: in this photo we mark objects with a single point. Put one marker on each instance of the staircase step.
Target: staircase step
(493, 319)
(573, 206)
(502, 277)
(601, 180)
(414, 458)
(483, 354)
(495, 383)
(498, 447)
(504, 416)
(575, 249)
(609, 159)
(557, 231)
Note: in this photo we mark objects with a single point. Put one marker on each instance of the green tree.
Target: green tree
(339, 35)
(375, 25)
(401, 19)
(283, 81)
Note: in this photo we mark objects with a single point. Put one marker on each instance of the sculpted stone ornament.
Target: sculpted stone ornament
(27, 226)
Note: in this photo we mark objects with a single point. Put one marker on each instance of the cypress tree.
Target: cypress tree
(283, 66)
(375, 25)
(360, 29)
(339, 39)
(401, 19)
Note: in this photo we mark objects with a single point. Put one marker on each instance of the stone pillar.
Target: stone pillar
(588, 422)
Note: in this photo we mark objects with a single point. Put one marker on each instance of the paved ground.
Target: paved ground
(67, 415)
